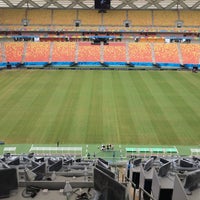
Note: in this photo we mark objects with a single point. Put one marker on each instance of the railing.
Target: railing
(133, 185)
(141, 190)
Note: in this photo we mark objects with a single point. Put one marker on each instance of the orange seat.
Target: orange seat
(190, 53)
(14, 51)
(166, 53)
(88, 52)
(115, 52)
(37, 52)
(140, 52)
(63, 51)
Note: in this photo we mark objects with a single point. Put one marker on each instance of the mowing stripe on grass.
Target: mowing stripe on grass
(119, 107)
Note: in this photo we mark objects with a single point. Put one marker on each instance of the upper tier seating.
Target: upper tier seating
(190, 18)
(140, 18)
(89, 17)
(190, 53)
(36, 16)
(88, 52)
(115, 52)
(11, 16)
(14, 51)
(167, 53)
(140, 52)
(64, 17)
(116, 17)
(64, 51)
(113, 18)
(167, 18)
(37, 52)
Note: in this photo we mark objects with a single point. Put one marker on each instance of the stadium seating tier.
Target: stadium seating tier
(114, 18)
(11, 16)
(167, 53)
(89, 17)
(190, 53)
(115, 52)
(140, 52)
(167, 18)
(140, 18)
(37, 52)
(88, 52)
(190, 18)
(64, 51)
(35, 16)
(14, 51)
(64, 17)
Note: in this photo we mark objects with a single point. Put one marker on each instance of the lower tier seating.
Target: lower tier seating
(63, 51)
(167, 53)
(88, 52)
(115, 52)
(37, 52)
(140, 52)
(14, 51)
(190, 53)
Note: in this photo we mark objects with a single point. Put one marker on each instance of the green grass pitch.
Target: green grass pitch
(87, 107)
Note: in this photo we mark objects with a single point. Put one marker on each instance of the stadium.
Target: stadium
(101, 97)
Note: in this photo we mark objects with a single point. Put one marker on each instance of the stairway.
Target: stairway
(127, 52)
(180, 54)
(102, 52)
(76, 52)
(24, 52)
(51, 51)
(3, 52)
(153, 53)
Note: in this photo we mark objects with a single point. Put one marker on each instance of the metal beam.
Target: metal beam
(146, 6)
(171, 5)
(156, 3)
(58, 5)
(8, 3)
(125, 3)
(195, 5)
(182, 3)
(89, 4)
(20, 4)
(46, 5)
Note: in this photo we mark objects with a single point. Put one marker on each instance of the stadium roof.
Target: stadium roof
(115, 4)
